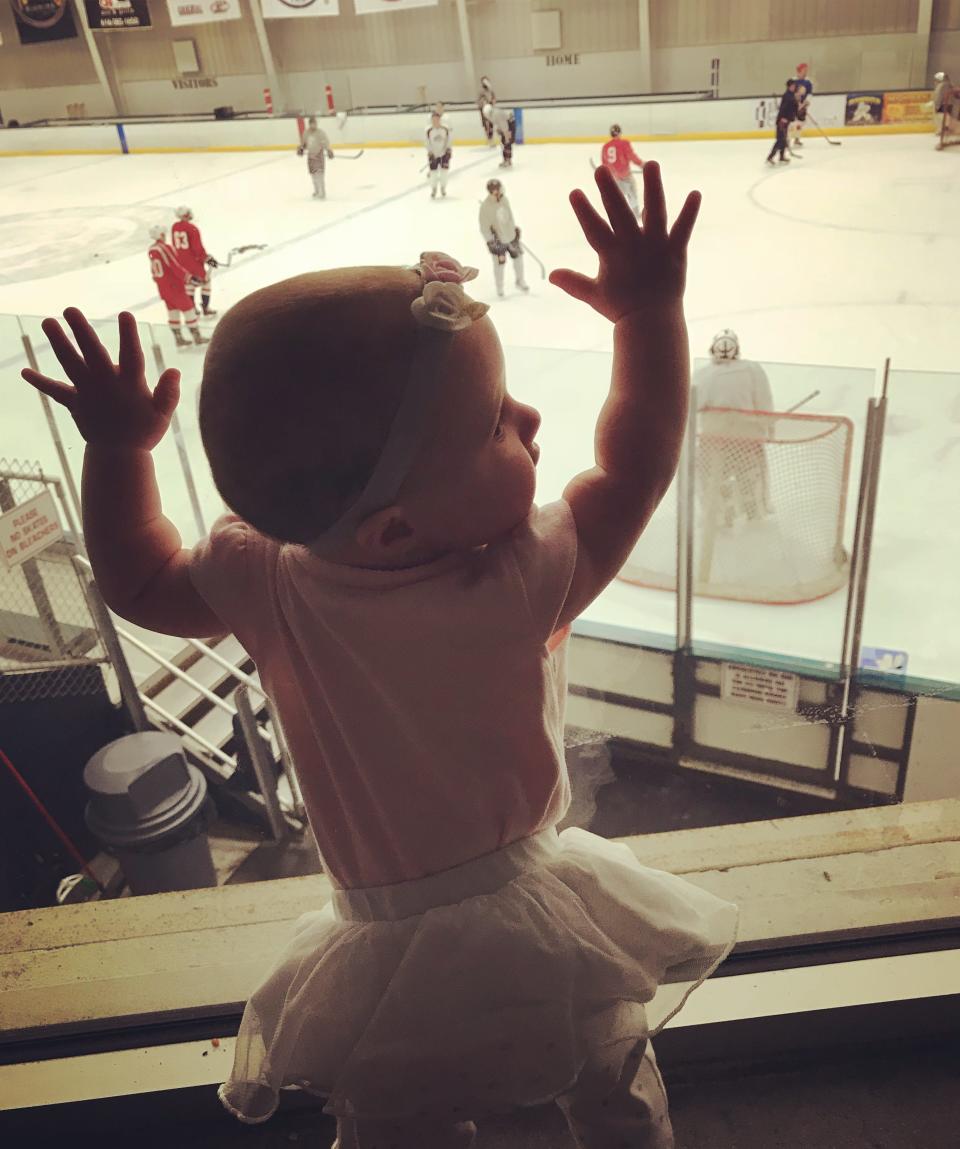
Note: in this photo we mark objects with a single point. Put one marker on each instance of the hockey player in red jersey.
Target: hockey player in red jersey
(174, 284)
(186, 241)
(617, 155)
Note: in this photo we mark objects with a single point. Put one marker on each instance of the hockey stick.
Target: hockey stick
(812, 395)
(835, 143)
(539, 263)
(239, 251)
(341, 156)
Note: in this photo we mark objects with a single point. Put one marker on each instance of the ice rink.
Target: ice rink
(823, 268)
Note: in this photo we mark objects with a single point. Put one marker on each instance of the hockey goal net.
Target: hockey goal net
(769, 506)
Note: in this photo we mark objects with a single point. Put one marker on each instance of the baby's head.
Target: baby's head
(302, 384)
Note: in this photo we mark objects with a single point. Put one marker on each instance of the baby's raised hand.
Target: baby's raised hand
(640, 266)
(111, 404)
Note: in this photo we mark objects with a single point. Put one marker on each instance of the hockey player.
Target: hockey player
(191, 254)
(731, 461)
(439, 151)
(786, 114)
(498, 228)
(486, 96)
(617, 155)
(803, 90)
(502, 119)
(440, 110)
(316, 145)
(174, 284)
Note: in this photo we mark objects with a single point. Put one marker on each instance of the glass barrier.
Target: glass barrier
(569, 388)
(774, 575)
(911, 604)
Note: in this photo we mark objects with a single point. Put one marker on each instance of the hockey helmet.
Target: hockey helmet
(802, 68)
(158, 231)
(615, 129)
(183, 212)
(725, 345)
(494, 186)
(939, 77)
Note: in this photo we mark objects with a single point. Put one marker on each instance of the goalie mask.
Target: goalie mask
(725, 346)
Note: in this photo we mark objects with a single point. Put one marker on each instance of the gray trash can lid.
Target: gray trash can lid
(141, 788)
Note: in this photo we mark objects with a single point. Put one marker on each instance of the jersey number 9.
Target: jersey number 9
(611, 155)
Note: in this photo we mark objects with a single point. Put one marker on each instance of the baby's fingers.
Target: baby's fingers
(59, 392)
(131, 353)
(619, 212)
(94, 352)
(581, 287)
(65, 351)
(683, 224)
(595, 228)
(166, 394)
(654, 202)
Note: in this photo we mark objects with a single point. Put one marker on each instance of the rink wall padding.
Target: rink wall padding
(588, 124)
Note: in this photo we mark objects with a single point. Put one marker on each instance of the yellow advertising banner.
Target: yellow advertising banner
(907, 107)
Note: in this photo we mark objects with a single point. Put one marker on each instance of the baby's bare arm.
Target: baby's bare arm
(637, 444)
(138, 559)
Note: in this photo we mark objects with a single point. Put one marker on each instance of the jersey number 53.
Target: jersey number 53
(181, 240)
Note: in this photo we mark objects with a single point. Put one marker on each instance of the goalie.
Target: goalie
(733, 398)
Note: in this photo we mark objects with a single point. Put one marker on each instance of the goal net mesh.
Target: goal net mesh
(769, 506)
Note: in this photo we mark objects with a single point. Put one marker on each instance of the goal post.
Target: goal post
(769, 508)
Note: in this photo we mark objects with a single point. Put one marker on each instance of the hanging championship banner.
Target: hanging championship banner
(103, 15)
(40, 21)
(202, 11)
(276, 9)
(365, 7)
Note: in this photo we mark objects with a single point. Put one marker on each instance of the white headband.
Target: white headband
(441, 311)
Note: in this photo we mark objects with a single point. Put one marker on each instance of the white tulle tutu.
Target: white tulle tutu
(476, 990)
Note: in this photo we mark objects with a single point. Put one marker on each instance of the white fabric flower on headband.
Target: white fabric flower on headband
(446, 307)
(437, 266)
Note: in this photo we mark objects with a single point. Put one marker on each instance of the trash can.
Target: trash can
(149, 808)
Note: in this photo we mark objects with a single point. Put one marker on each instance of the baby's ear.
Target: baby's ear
(384, 532)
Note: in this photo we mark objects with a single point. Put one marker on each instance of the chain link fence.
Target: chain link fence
(49, 643)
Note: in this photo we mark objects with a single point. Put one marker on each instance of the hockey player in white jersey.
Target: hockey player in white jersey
(317, 147)
(506, 126)
(439, 151)
(732, 474)
(499, 229)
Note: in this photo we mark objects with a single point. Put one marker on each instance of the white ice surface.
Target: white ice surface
(844, 257)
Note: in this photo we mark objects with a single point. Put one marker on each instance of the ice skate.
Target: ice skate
(523, 286)
(179, 339)
(784, 159)
(433, 193)
(443, 192)
(209, 313)
(198, 337)
(771, 161)
(798, 143)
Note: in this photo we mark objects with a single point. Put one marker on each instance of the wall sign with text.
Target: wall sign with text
(104, 15)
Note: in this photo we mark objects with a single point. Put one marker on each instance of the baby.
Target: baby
(406, 604)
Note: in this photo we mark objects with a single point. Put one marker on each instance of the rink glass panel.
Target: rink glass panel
(768, 583)
(911, 605)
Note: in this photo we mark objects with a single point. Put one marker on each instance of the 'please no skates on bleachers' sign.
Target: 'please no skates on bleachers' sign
(29, 529)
